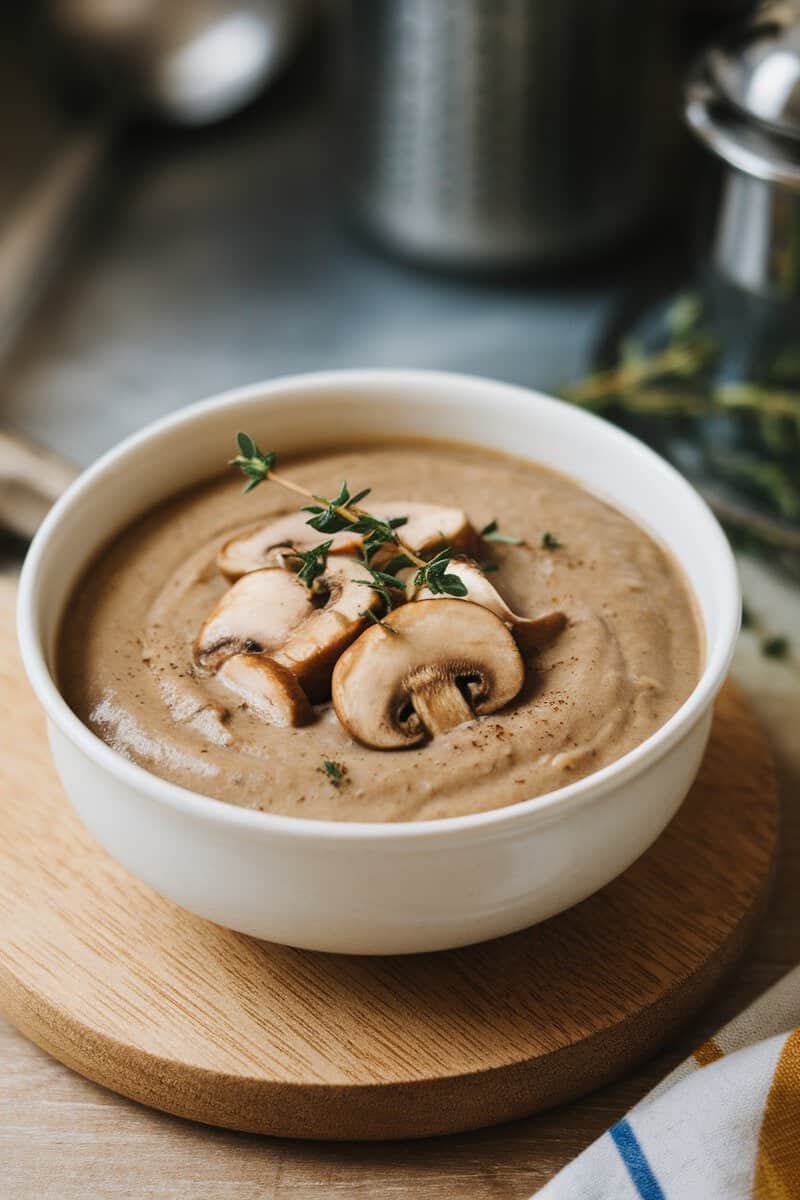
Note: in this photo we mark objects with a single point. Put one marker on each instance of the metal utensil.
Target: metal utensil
(715, 385)
(743, 103)
(187, 61)
(758, 69)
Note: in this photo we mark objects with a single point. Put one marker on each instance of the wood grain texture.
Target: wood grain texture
(139, 995)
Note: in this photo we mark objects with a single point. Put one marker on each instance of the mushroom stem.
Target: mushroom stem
(440, 705)
(394, 692)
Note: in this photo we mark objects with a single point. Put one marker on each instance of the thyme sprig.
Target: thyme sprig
(493, 533)
(332, 516)
(344, 512)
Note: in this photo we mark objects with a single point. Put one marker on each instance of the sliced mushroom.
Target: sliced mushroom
(269, 689)
(531, 633)
(429, 527)
(425, 669)
(534, 633)
(311, 650)
(272, 613)
(260, 546)
(256, 615)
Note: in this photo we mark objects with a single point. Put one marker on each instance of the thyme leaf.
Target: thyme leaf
(311, 563)
(335, 771)
(435, 576)
(383, 583)
(492, 533)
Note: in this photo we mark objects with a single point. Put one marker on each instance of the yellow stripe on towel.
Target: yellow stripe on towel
(778, 1162)
(708, 1053)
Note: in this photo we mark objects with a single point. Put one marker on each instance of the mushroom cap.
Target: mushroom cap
(530, 633)
(258, 613)
(426, 668)
(260, 545)
(429, 527)
(312, 648)
(271, 612)
(268, 688)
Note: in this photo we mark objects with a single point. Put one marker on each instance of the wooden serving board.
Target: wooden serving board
(168, 1009)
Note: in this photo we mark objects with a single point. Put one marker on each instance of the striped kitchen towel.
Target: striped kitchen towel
(725, 1125)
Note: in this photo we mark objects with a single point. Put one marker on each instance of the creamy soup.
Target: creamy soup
(599, 680)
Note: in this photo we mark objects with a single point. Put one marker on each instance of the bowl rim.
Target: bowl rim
(208, 808)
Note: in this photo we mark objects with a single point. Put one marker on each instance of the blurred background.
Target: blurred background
(591, 197)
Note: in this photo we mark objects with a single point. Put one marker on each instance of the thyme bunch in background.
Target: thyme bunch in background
(771, 644)
(707, 390)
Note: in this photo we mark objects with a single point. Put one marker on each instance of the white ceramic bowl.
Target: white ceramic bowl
(372, 888)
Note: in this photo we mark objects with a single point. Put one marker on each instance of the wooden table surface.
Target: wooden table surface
(63, 1138)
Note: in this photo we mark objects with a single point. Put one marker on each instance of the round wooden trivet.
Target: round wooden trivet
(187, 1017)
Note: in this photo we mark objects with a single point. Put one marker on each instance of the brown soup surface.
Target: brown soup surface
(628, 657)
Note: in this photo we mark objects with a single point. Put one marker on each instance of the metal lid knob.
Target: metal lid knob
(743, 99)
(743, 103)
(757, 69)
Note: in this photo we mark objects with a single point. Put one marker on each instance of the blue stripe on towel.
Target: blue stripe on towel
(632, 1155)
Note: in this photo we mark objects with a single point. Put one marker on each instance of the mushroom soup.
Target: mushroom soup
(489, 633)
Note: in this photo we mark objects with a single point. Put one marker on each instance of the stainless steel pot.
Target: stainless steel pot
(497, 133)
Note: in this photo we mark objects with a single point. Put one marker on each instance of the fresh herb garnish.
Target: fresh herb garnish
(310, 563)
(331, 516)
(491, 533)
(335, 771)
(252, 462)
(550, 541)
(384, 583)
(398, 563)
(434, 575)
(344, 512)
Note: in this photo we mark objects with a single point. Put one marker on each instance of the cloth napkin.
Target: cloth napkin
(724, 1125)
